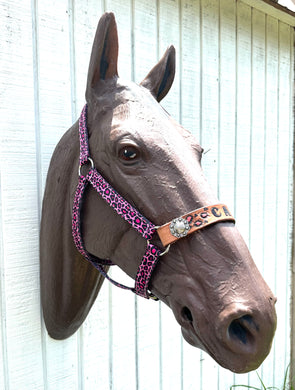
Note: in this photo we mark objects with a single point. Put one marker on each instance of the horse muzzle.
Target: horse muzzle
(241, 339)
(220, 298)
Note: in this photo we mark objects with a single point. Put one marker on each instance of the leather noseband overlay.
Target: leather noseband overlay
(168, 233)
(193, 221)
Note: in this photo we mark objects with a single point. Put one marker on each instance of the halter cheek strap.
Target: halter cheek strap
(168, 233)
(122, 207)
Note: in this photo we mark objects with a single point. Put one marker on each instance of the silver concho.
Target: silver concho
(179, 227)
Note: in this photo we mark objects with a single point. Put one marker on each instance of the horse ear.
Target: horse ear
(161, 77)
(104, 55)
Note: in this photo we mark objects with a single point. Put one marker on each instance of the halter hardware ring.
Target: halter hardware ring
(165, 251)
(89, 159)
(152, 296)
(162, 253)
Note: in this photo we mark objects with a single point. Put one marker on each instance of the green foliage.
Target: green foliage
(286, 386)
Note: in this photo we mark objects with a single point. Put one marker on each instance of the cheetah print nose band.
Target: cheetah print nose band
(168, 233)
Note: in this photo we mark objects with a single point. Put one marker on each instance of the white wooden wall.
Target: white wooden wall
(233, 89)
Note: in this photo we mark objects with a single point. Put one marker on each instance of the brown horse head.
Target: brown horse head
(208, 278)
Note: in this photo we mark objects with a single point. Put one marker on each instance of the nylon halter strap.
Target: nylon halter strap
(168, 233)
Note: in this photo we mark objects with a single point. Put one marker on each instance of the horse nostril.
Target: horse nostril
(273, 299)
(186, 314)
(243, 329)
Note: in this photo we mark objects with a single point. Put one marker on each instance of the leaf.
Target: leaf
(245, 386)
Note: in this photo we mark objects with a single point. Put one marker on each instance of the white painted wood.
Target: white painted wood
(210, 88)
(257, 137)
(148, 352)
(190, 117)
(227, 137)
(169, 24)
(233, 90)
(284, 142)
(95, 335)
(170, 337)
(270, 161)
(60, 360)
(209, 22)
(243, 118)
(227, 102)
(21, 346)
(281, 14)
(190, 66)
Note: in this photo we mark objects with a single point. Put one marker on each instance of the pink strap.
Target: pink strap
(123, 208)
(120, 205)
(76, 224)
(83, 134)
(145, 269)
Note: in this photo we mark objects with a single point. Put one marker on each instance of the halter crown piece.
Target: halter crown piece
(168, 233)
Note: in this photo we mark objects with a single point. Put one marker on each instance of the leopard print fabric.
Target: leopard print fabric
(122, 207)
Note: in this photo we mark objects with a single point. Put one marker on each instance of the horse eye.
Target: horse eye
(128, 153)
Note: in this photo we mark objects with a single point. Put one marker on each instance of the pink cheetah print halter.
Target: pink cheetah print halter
(122, 207)
(168, 233)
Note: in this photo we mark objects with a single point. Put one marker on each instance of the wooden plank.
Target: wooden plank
(94, 337)
(269, 7)
(85, 17)
(123, 13)
(148, 344)
(4, 380)
(144, 38)
(292, 224)
(170, 343)
(54, 77)
(170, 351)
(190, 117)
(19, 298)
(147, 312)
(55, 117)
(227, 123)
(284, 209)
(190, 66)
(209, 130)
(123, 347)
(243, 119)
(122, 328)
(191, 370)
(270, 169)
(168, 19)
(256, 210)
(95, 344)
(227, 103)
(210, 88)
(257, 136)
(243, 128)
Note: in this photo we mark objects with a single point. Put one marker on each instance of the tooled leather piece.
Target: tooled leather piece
(193, 221)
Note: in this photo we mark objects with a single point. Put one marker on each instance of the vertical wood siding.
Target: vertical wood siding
(233, 90)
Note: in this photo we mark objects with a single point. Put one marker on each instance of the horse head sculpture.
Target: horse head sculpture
(135, 158)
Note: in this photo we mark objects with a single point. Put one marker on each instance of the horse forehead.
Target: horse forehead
(135, 112)
(139, 118)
